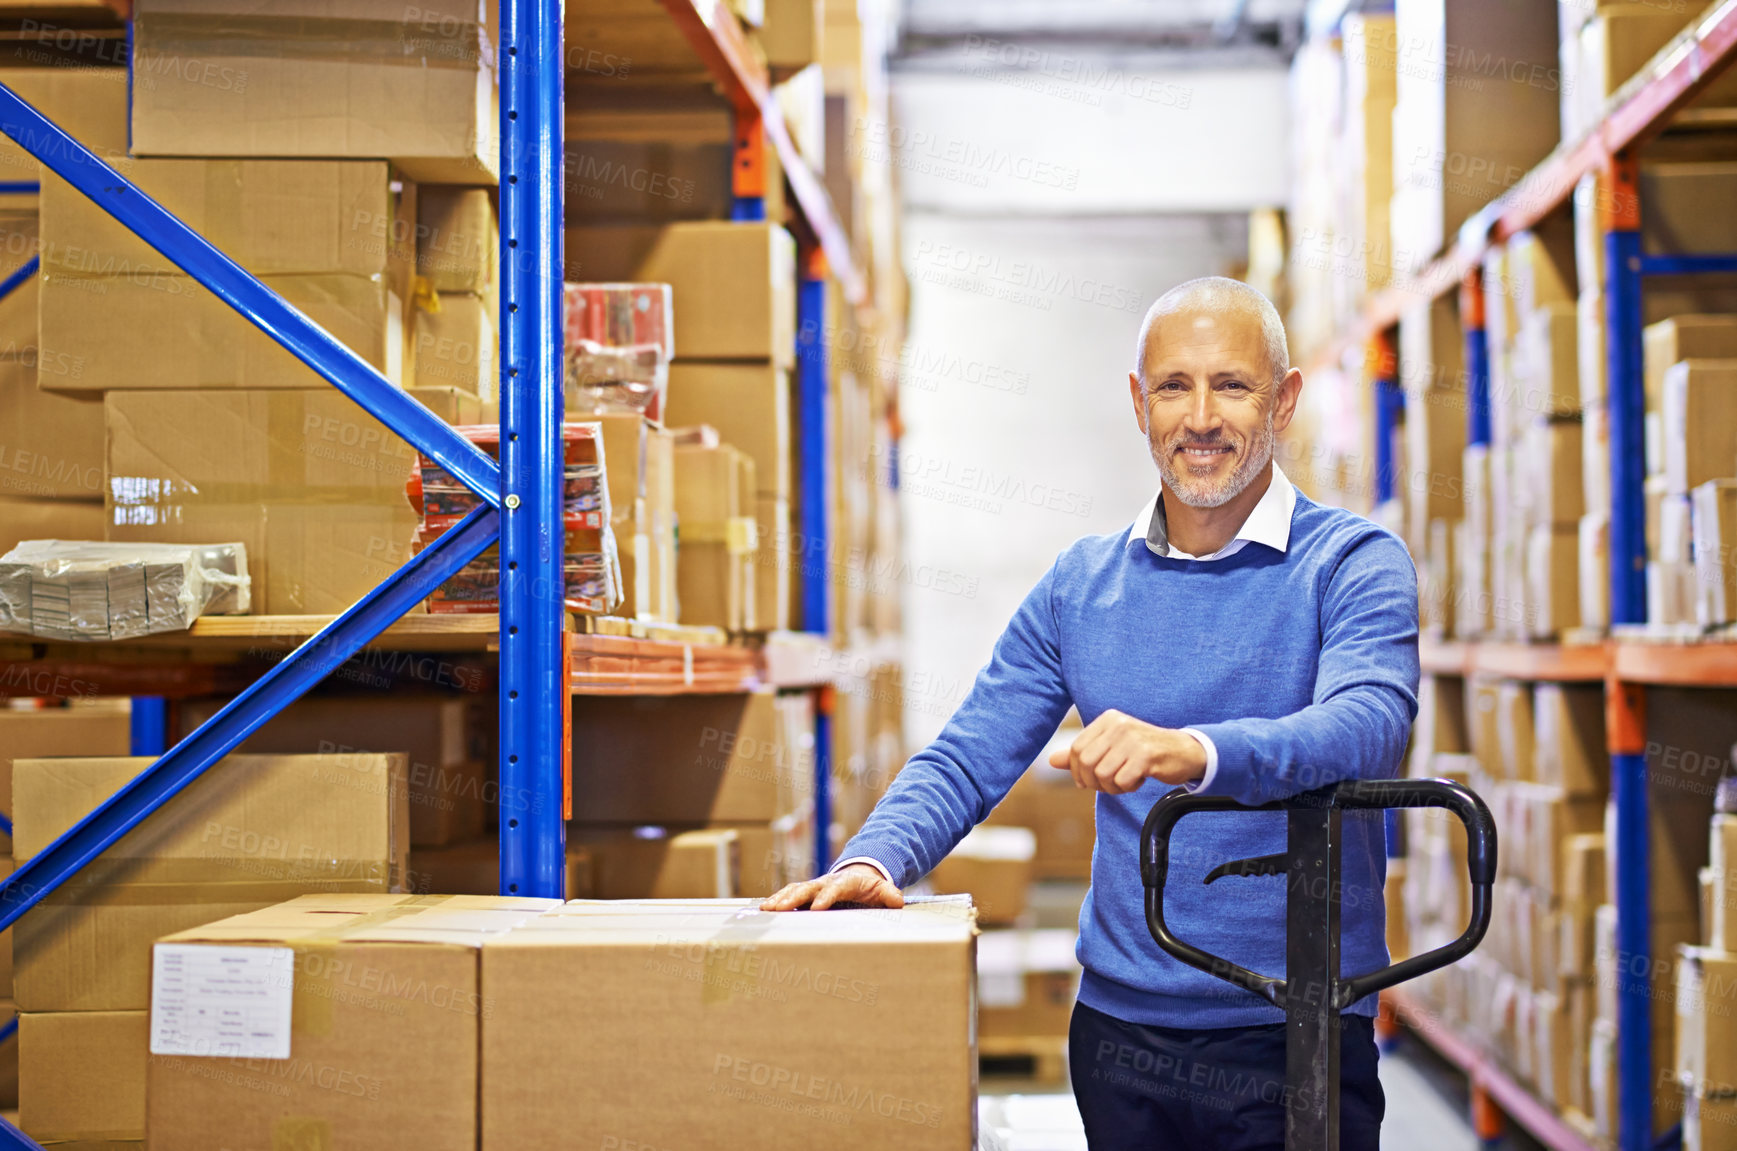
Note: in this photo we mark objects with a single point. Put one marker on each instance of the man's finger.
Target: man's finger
(1129, 777)
(829, 894)
(792, 895)
(888, 895)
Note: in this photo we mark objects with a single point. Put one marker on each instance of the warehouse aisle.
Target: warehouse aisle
(1419, 1116)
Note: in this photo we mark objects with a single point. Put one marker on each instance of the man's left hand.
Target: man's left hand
(1117, 753)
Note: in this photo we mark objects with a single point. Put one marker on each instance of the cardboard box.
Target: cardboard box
(1680, 338)
(445, 740)
(1714, 531)
(710, 1022)
(1709, 1122)
(89, 104)
(22, 520)
(1568, 724)
(686, 760)
(1706, 1025)
(312, 484)
(63, 1057)
(457, 346)
(1553, 449)
(994, 866)
(416, 86)
(1027, 982)
(717, 539)
(1700, 422)
(1435, 444)
(456, 407)
(1722, 862)
(1593, 561)
(379, 995)
(51, 443)
(1515, 731)
(334, 238)
(1060, 815)
(734, 286)
(749, 404)
(1546, 363)
(774, 565)
(793, 34)
(252, 831)
(474, 868)
(458, 238)
(1552, 579)
(649, 862)
(90, 730)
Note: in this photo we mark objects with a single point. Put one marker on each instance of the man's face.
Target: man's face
(1210, 407)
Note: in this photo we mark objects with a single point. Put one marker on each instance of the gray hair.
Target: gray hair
(1222, 294)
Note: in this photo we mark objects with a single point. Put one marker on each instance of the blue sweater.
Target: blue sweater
(1300, 666)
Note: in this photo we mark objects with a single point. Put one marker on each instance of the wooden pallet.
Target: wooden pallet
(1042, 1057)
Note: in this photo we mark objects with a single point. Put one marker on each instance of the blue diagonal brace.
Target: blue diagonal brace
(243, 291)
(22, 273)
(246, 713)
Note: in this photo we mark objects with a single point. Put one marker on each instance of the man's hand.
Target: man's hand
(1117, 753)
(858, 883)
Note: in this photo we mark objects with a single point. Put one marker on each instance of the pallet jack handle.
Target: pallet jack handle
(1312, 993)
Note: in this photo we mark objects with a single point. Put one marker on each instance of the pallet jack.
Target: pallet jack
(1312, 992)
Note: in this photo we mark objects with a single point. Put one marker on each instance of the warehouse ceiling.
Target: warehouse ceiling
(1194, 33)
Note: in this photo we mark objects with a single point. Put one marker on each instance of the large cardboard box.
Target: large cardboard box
(379, 997)
(686, 760)
(994, 866)
(81, 1075)
(89, 104)
(87, 730)
(1715, 549)
(27, 519)
(444, 739)
(414, 85)
(252, 831)
(1706, 1022)
(312, 484)
(749, 404)
(734, 286)
(51, 443)
(712, 1023)
(1027, 982)
(458, 238)
(474, 868)
(649, 862)
(336, 239)
(1700, 423)
(1552, 579)
(456, 345)
(1553, 449)
(793, 34)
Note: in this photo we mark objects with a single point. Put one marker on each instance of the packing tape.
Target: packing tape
(319, 970)
(730, 972)
(301, 1133)
(439, 43)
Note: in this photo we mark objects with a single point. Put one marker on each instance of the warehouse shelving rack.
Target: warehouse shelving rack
(1626, 664)
(542, 660)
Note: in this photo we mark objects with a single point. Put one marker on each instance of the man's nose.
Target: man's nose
(1202, 413)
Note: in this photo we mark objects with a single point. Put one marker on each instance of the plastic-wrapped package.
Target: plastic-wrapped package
(87, 590)
(590, 563)
(620, 340)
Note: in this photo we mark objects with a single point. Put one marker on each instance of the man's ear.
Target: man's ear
(1138, 395)
(1285, 399)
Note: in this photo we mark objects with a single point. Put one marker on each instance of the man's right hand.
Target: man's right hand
(857, 884)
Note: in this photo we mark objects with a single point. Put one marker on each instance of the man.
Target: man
(1240, 640)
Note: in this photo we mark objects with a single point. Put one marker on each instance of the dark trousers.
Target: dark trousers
(1145, 1088)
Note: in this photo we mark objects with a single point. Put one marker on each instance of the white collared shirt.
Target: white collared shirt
(1269, 523)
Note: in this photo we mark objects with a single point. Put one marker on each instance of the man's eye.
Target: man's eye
(1236, 384)
(1170, 386)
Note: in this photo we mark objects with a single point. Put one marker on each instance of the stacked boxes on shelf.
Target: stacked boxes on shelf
(51, 441)
(1531, 992)
(647, 770)
(255, 830)
(455, 305)
(1706, 978)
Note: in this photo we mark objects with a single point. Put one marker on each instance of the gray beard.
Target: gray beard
(1199, 494)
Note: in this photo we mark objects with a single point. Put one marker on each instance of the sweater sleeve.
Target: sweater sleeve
(1365, 694)
(950, 786)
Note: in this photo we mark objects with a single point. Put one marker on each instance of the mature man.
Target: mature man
(1240, 640)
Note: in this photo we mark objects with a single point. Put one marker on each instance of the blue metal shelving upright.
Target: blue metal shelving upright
(523, 487)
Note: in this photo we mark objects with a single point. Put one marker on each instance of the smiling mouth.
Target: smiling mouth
(1204, 453)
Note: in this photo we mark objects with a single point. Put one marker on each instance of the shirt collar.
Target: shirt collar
(1268, 523)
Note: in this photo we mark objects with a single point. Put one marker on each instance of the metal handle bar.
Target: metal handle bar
(1359, 795)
